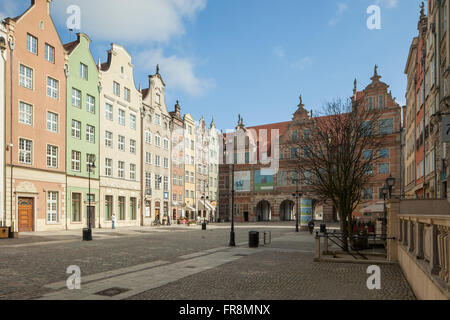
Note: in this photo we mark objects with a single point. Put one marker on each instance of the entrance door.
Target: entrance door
(246, 216)
(91, 217)
(157, 217)
(25, 214)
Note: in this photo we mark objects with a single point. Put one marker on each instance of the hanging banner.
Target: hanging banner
(306, 213)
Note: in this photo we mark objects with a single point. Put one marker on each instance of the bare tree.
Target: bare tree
(336, 157)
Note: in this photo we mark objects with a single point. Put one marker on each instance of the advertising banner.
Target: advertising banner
(242, 181)
(263, 180)
(306, 213)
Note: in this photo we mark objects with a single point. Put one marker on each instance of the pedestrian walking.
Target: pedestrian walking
(311, 226)
(113, 219)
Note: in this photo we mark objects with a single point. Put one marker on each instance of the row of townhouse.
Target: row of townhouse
(82, 143)
(425, 152)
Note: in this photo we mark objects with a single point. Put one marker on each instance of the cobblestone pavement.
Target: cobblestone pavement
(185, 263)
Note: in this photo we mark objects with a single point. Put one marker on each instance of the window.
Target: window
(108, 167)
(158, 119)
(370, 107)
(76, 157)
(25, 113)
(52, 122)
(381, 102)
(148, 158)
(121, 170)
(76, 129)
(108, 139)
(157, 182)
(187, 194)
(52, 207)
(368, 154)
(133, 203)
(192, 177)
(158, 99)
(166, 183)
(83, 71)
(368, 194)
(121, 117)
(366, 128)
(180, 180)
(133, 146)
(121, 208)
(133, 121)
(383, 168)
(282, 178)
(90, 104)
(158, 161)
(116, 89)
(52, 88)
(132, 172)
(166, 163)
(90, 134)
(49, 53)
(121, 143)
(109, 112)
(192, 194)
(108, 207)
(148, 137)
(158, 141)
(166, 144)
(294, 135)
(76, 207)
(26, 77)
(175, 180)
(76, 98)
(148, 180)
(126, 94)
(32, 44)
(386, 126)
(25, 149)
(384, 154)
(52, 157)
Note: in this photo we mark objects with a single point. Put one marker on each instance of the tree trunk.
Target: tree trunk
(344, 231)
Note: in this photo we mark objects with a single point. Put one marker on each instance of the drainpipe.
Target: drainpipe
(12, 44)
(66, 73)
(142, 166)
(3, 213)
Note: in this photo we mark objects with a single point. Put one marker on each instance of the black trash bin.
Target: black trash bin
(323, 228)
(204, 225)
(87, 234)
(253, 239)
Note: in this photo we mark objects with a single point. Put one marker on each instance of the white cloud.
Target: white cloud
(302, 63)
(279, 52)
(132, 21)
(178, 73)
(342, 8)
(387, 3)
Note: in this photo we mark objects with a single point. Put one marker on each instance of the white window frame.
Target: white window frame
(53, 122)
(90, 103)
(26, 76)
(148, 137)
(108, 167)
(132, 121)
(25, 151)
(122, 117)
(90, 133)
(84, 71)
(148, 158)
(76, 161)
(109, 139)
(76, 130)
(121, 170)
(132, 172)
(52, 157)
(52, 88)
(32, 44)
(121, 143)
(132, 146)
(49, 53)
(25, 117)
(109, 112)
(52, 216)
(116, 88)
(76, 98)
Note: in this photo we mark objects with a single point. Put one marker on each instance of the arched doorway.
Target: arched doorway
(287, 210)
(264, 211)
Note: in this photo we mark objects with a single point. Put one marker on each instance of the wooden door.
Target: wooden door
(25, 214)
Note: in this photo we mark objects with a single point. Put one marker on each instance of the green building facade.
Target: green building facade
(83, 134)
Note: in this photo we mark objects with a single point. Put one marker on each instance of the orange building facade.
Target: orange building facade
(35, 130)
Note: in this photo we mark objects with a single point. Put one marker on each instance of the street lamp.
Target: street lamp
(91, 165)
(385, 192)
(204, 198)
(232, 237)
(390, 184)
(296, 196)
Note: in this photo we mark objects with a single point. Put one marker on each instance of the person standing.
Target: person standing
(113, 219)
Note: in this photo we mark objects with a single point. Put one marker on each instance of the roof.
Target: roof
(69, 47)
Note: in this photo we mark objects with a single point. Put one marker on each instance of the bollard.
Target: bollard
(325, 245)
(253, 239)
(317, 254)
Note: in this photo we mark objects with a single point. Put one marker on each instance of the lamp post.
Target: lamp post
(232, 236)
(390, 183)
(88, 236)
(204, 198)
(296, 196)
(385, 191)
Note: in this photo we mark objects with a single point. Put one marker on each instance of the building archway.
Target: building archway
(264, 211)
(287, 210)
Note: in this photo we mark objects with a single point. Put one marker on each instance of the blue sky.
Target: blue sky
(222, 58)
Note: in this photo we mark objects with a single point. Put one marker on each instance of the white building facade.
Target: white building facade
(156, 135)
(213, 164)
(120, 141)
